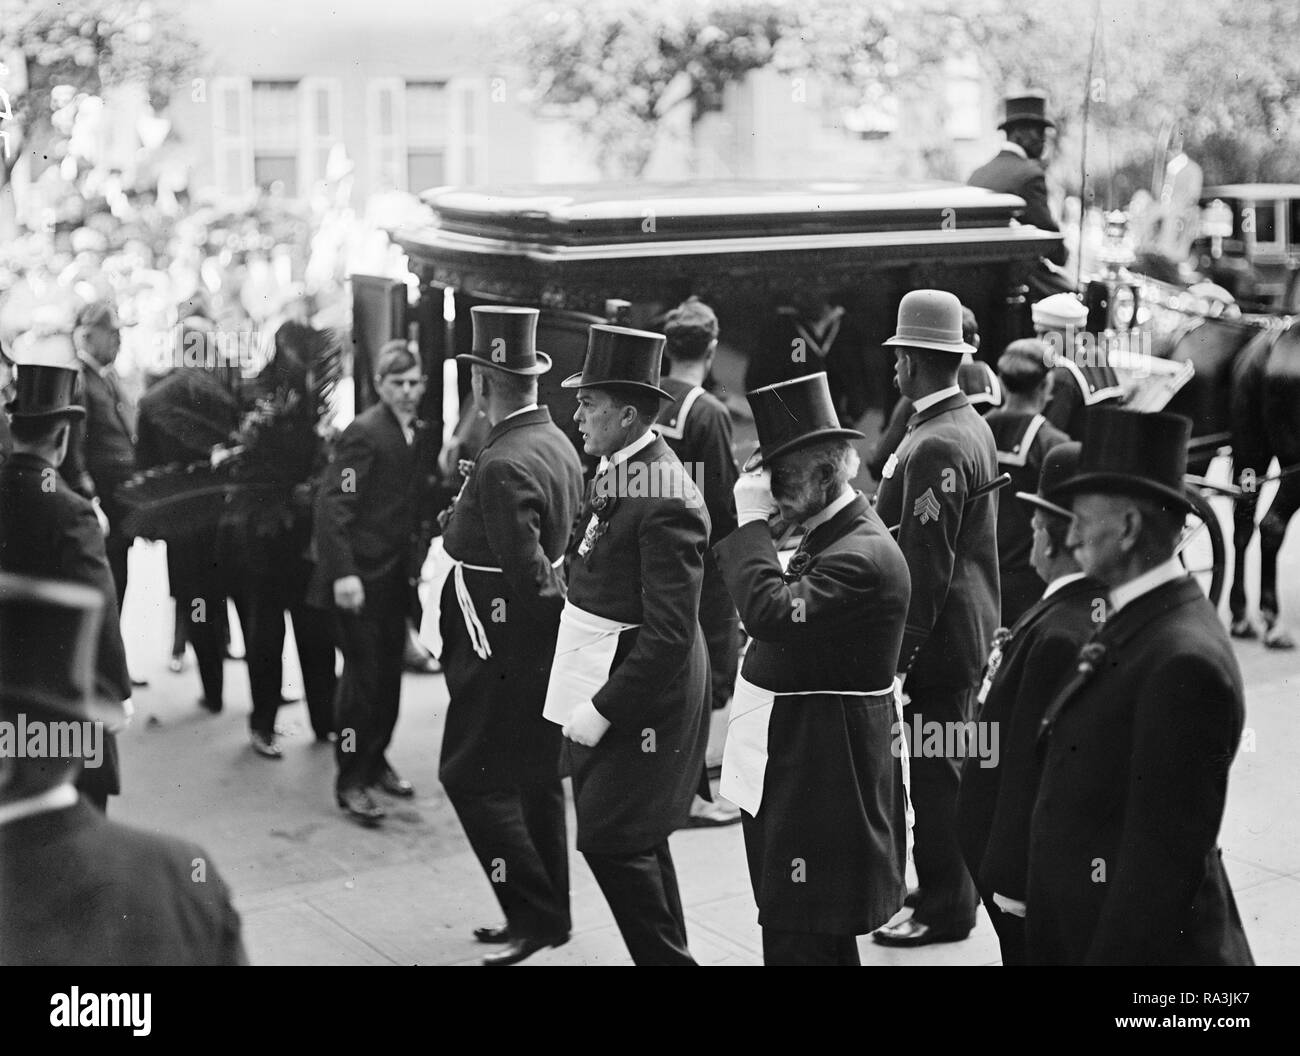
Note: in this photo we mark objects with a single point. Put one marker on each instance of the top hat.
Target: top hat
(930, 319)
(49, 633)
(506, 339)
(1059, 465)
(793, 414)
(620, 358)
(42, 391)
(1059, 311)
(1030, 108)
(1132, 453)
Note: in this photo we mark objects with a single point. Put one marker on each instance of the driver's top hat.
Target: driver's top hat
(1132, 453)
(1029, 108)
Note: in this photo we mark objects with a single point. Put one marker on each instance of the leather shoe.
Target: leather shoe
(265, 745)
(493, 935)
(208, 705)
(520, 950)
(390, 782)
(359, 805)
(911, 933)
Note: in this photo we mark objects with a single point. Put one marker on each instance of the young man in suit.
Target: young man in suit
(1023, 437)
(1027, 663)
(101, 454)
(49, 531)
(630, 681)
(1018, 167)
(492, 620)
(1124, 866)
(76, 888)
(811, 751)
(365, 539)
(950, 545)
(697, 426)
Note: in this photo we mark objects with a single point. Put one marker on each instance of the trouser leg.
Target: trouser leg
(948, 897)
(313, 632)
(264, 652)
(799, 948)
(641, 890)
(357, 701)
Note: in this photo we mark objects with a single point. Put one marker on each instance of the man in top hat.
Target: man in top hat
(1124, 866)
(101, 454)
(365, 536)
(630, 681)
(492, 621)
(1023, 437)
(949, 539)
(697, 427)
(1018, 167)
(1082, 377)
(811, 753)
(1027, 663)
(76, 888)
(49, 531)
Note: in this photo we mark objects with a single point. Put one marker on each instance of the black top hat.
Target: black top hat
(48, 641)
(619, 358)
(793, 414)
(1059, 465)
(41, 392)
(1132, 453)
(1030, 108)
(506, 338)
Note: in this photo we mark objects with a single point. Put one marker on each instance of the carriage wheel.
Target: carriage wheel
(1202, 549)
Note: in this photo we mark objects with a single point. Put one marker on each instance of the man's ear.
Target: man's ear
(1132, 520)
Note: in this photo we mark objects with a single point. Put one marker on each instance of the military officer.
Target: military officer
(492, 620)
(950, 545)
(1124, 864)
(811, 749)
(630, 681)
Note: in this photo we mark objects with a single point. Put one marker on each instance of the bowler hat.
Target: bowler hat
(1030, 108)
(49, 631)
(506, 339)
(42, 391)
(1132, 453)
(793, 414)
(1059, 311)
(1059, 465)
(620, 358)
(930, 319)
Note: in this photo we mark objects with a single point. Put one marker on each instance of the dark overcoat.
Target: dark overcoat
(833, 791)
(635, 787)
(515, 513)
(1124, 863)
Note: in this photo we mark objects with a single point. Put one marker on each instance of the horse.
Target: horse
(1247, 388)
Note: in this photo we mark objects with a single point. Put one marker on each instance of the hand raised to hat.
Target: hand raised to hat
(753, 492)
(586, 725)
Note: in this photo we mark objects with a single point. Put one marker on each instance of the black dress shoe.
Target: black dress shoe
(359, 805)
(520, 950)
(208, 705)
(390, 782)
(493, 935)
(912, 933)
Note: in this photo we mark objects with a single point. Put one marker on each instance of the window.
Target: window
(231, 130)
(322, 126)
(277, 133)
(428, 121)
(386, 112)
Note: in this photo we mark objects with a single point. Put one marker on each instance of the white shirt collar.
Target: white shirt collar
(824, 515)
(1129, 592)
(935, 397)
(56, 798)
(1015, 148)
(624, 453)
(522, 410)
(1062, 581)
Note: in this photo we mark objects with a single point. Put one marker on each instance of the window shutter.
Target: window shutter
(232, 133)
(386, 111)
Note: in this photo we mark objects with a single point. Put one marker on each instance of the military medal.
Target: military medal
(1001, 638)
(602, 508)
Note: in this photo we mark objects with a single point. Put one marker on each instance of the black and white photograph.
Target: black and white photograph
(586, 483)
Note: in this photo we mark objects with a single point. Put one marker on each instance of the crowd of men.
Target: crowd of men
(866, 652)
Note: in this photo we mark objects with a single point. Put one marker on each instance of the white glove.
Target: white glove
(753, 493)
(586, 725)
